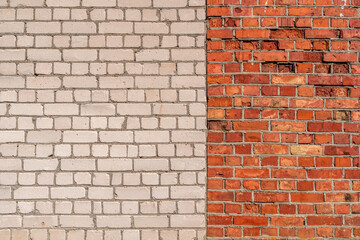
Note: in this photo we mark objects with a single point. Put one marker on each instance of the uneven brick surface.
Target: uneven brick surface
(102, 119)
(283, 143)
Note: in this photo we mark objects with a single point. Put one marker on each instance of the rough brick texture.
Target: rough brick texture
(283, 143)
(102, 119)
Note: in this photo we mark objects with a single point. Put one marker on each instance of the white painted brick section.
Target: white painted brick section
(102, 119)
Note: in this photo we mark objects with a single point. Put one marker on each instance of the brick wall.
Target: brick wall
(102, 119)
(284, 118)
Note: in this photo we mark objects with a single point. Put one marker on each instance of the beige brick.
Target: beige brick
(43, 27)
(133, 109)
(25, 3)
(151, 221)
(132, 193)
(67, 192)
(188, 54)
(79, 27)
(40, 221)
(80, 82)
(63, 3)
(79, 55)
(10, 164)
(116, 54)
(77, 164)
(187, 164)
(31, 193)
(33, 109)
(113, 221)
(153, 55)
(116, 27)
(44, 55)
(95, 3)
(12, 54)
(12, 136)
(115, 164)
(188, 28)
(80, 136)
(40, 164)
(187, 82)
(10, 221)
(169, 109)
(61, 109)
(100, 193)
(151, 136)
(12, 27)
(131, 3)
(187, 221)
(187, 192)
(116, 82)
(116, 136)
(43, 136)
(188, 136)
(170, 3)
(76, 221)
(99, 109)
(151, 28)
(43, 82)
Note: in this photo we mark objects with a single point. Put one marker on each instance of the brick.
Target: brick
(113, 221)
(43, 27)
(115, 27)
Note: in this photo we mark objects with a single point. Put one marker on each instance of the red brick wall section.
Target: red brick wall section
(284, 119)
